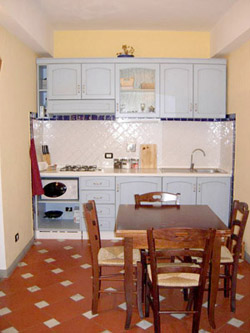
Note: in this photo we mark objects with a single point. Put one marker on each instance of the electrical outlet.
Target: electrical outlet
(68, 209)
(17, 237)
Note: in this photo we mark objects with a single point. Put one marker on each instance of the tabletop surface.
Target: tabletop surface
(137, 220)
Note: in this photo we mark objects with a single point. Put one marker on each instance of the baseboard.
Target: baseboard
(247, 257)
(5, 273)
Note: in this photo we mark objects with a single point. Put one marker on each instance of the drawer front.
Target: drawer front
(100, 197)
(100, 183)
(105, 211)
(107, 224)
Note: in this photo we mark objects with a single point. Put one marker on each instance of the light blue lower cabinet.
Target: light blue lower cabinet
(212, 191)
(127, 187)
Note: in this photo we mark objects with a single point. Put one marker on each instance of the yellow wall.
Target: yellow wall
(17, 99)
(176, 44)
(239, 103)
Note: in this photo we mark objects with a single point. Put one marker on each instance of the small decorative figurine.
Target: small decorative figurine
(128, 51)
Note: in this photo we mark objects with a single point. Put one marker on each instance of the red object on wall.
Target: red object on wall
(37, 188)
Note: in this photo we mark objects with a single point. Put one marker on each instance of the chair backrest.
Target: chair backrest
(152, 198)
(238, 222)
(92, 223)
(182, 243)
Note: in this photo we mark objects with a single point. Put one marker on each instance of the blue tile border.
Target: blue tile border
(229, 117)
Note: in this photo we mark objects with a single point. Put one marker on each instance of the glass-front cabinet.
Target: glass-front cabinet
(137, 93)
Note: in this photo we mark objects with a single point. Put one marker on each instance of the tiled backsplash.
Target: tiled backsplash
(85, 142)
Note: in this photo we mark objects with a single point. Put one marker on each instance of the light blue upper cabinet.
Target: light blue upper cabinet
(137, 90)
(193, 90)
(98, 81)
(209, 91)
(64, 81)
(177, 90)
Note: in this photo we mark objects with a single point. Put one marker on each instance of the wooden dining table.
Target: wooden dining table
(132, 224)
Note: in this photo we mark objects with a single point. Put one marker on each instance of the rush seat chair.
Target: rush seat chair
(108, 257)
(230, 253)
(177, 242)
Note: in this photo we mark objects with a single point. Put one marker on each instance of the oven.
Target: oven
(57, 189)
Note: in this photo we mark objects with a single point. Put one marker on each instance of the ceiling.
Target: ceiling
(179, 15)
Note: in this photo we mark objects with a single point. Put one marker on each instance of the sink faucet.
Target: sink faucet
(192, 156)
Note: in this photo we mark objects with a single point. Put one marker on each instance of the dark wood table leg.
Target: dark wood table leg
(128, 283)
(215, 271)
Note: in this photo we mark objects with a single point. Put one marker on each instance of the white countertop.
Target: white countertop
(175, 172)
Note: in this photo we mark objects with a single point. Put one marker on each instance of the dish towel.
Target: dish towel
(37, 187)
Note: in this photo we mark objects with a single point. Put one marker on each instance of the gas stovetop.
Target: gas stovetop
(82, 168)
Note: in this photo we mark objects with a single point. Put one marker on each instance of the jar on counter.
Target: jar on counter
(134, 163)
(117, 163)
(125, 163)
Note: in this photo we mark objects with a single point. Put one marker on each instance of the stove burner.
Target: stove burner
(79, 168)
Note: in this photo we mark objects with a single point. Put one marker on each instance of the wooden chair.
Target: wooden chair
(177, 242)
(112, 256)
(230, 253)
(161, 198)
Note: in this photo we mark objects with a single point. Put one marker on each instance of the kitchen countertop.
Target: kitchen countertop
(177, 172)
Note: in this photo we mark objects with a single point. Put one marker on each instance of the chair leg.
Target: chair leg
(147, 296)
(185, 293)
(190, 300)
(140, 277)
(157, 323)
(233, 288)
(95, 293)
(226, 280)
(197, 308)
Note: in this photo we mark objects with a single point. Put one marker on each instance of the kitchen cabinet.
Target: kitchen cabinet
(81, 89)
(76, 81)
(102, 190)
(58, 212)
(42, 91)
(193, 90)
(211, 191)
(137, 90)
(215, 192)
(186, 186)
(127, 187)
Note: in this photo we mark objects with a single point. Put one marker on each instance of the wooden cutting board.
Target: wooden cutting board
(148, 156)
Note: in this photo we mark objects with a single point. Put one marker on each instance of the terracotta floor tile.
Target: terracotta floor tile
(26, 317)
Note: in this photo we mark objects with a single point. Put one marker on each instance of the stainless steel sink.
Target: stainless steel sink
(195, 170)
(209, 170)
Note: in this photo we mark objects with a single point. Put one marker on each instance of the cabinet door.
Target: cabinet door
(64, 81)
(177, 90)
(137, 90)
(98, 81)
(209, 91)
(186, 186)
(215, 192)
(127, 187)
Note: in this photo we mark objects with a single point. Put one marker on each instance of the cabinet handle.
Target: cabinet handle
(117, 188)
(195, 107)
(97, 198)
(117, 107)
(199, 187)
(97, 183)
(78, 89)
(83, 88)
(194, 188)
